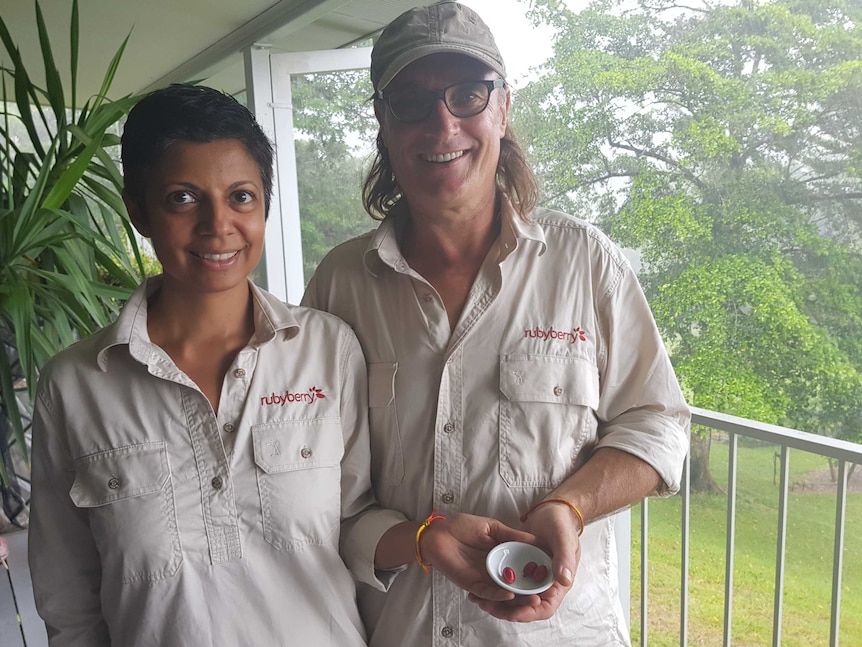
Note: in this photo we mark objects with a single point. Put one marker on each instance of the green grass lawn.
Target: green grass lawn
(808, 559)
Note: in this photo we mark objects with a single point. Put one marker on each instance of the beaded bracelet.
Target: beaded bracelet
(431, 517)
(563, 501)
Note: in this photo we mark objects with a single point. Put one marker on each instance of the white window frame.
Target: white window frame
(270, 98)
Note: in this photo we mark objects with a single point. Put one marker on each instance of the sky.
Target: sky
(521, 45)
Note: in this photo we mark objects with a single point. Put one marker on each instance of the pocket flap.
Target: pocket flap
(549, 378)
(381, 384)
(292, 445)
(120, 473)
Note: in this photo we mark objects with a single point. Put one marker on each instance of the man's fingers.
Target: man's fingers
(490, 592)
(500, 532)
(563, 575)
(524, 608)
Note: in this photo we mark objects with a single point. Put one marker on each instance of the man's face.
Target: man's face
(444, 161)
(203, 209)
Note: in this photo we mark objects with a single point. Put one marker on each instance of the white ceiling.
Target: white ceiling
(182, 40)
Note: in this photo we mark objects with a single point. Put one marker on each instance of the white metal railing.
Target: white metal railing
(845, 453)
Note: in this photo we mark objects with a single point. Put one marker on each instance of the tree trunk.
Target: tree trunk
(701, 477)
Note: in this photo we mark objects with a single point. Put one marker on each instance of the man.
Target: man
(512, 358)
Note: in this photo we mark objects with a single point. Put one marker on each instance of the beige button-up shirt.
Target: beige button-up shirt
(156, 522)
(556, 353)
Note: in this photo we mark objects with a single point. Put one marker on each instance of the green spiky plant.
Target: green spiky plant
(64, 234)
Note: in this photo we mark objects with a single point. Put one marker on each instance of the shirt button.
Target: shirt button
(448, 427)
(228, 427)
(558, 390)
(305, 452)
(427, 297)
(240, 372)
(217, 482)
(447, 632)
(113, 483)
(448, 497)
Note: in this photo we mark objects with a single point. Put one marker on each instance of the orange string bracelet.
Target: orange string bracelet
(564, 502)
(431, 517)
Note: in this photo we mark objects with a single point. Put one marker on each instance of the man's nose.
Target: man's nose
(441, 115)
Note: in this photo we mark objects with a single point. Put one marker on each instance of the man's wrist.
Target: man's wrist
(575, 510)
(422, 558)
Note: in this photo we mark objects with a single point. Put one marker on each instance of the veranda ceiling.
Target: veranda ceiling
(181, 40)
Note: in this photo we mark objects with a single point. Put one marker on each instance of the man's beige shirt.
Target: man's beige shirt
(556, 353)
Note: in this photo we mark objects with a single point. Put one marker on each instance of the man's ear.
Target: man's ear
(380, 114)
(504, 110)
(136, 215)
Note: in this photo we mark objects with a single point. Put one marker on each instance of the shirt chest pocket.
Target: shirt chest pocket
(547, 414)
(299, 480)
(129, 494)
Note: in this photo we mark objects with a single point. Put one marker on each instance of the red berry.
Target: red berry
(540, 573)
(529, 569)
(508, 575)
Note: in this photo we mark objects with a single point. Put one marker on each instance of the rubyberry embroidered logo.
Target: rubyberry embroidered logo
(571, 336)
(290, 397)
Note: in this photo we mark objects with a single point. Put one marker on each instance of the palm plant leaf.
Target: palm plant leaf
(73, 56)
(64, 233)
(54, 86)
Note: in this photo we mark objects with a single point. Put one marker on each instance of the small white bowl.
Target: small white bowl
(516, 555)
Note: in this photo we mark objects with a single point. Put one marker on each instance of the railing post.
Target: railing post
(684, 553)
(644, 566)
(781, 545)
(732, 445)
(838, 554)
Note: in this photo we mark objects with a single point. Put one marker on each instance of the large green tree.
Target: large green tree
(723, 142)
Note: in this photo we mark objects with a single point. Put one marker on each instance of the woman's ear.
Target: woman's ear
(136, 215)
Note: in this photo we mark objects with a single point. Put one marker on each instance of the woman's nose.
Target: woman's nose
(216, 217)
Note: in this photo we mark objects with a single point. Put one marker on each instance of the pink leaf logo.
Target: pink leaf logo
(317, 393)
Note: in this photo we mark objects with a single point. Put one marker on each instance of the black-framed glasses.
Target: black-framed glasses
(467, 99)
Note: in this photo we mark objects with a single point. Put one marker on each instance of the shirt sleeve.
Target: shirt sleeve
(64, 560)
(363, 521)
(642, 410)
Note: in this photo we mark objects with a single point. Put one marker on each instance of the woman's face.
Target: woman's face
(204, 211)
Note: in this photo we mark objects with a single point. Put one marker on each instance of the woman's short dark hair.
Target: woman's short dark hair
(188, 113)
(515, 178)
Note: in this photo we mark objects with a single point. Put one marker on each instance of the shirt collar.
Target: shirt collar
(515, 231)
(383, 247)
(271, 316)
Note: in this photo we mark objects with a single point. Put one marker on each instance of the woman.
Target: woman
(193, 462)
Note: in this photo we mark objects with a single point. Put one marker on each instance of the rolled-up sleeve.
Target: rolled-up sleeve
(642, 409)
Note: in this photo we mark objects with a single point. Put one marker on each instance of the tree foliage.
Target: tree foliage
(335, 133)
(723, 142)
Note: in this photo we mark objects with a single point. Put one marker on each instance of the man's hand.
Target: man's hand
(555, 528)
(457, 547)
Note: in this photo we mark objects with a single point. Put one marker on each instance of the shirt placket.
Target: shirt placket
(218, 496)
(449, 457)
(233, 399)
